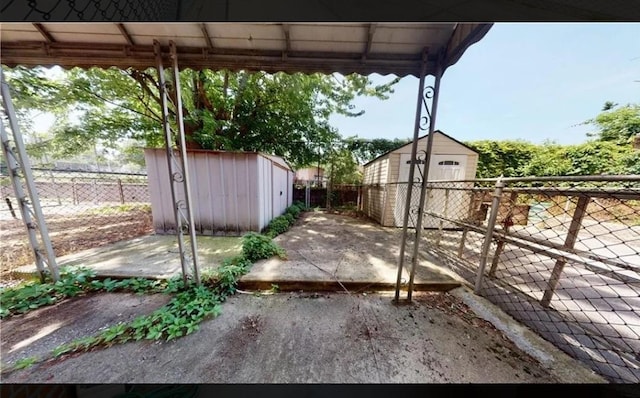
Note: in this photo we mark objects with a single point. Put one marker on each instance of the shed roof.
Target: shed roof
(424, 136)
(274, 158)
(363, 48)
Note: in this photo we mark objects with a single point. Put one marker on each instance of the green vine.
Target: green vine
(180, 317)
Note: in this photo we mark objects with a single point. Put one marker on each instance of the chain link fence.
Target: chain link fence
(90, 10)
(82, 210)
(560, 255)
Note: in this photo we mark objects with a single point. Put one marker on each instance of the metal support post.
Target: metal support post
(414, 152)
(493, 216)
(570, 241)
(29, 206)
(185, 164)
(175, 170)
(431, 115)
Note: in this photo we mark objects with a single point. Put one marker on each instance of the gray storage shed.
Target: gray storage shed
(232, 192)
(386, 178)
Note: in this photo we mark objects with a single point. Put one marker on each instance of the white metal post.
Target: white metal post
(175, 173)
(28, 205)
(185, 164)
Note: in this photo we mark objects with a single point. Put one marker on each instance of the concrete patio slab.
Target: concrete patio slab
(333, 252)
(325, 252)
(287, 338)
(152, 256)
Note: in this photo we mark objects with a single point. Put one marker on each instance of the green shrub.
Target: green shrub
(277, 226)
(290, 219)
(257, 247)
(300, 205)
(294, 211)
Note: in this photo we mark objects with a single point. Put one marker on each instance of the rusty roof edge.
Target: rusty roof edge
(454, 53)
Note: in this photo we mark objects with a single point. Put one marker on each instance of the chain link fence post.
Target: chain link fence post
(572, 237)
(493, 216)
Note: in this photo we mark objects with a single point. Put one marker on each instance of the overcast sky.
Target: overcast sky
(521, 81)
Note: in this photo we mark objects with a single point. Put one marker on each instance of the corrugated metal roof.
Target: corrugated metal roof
(362, 48)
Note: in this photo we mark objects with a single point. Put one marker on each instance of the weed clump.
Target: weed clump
(257, 247)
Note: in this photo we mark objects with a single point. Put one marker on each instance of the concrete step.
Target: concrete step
(352, 286)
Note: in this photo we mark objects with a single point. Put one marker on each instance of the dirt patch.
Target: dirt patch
(38, 332)
(71, 234)
(251, 325)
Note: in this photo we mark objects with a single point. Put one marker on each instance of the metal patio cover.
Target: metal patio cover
(363, 48)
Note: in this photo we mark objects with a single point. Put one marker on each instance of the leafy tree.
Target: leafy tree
(342, 168)
(506, 158)
(279, 113)
(366, 150)
(589, 158)
(618, 125)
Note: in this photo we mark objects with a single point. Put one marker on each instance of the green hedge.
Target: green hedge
(281, 224)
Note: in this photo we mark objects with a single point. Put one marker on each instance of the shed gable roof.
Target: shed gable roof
(420, 139)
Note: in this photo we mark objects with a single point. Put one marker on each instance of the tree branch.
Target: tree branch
(148, 108)
(142, 79)
(156, 117)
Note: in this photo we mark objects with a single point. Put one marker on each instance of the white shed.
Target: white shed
(232, 192)
(386, 177)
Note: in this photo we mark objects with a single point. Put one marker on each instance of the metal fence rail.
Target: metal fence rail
(82, 209)
(562, 255)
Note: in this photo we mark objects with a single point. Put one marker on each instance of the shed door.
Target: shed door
(279, 184)
(449, 204)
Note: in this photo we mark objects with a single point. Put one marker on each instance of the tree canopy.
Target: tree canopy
(365, 150)
(281, 114)
(619, 125)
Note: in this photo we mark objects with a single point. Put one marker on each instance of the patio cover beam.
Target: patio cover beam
(43, 31)
(126, 34)
(207, 38)
(367, 49)
(287, 40)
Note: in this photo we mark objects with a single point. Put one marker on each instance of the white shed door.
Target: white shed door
(280, 193)
(451, 204)
(441, 167)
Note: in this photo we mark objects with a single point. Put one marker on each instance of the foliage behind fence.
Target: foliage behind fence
(341, 195)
